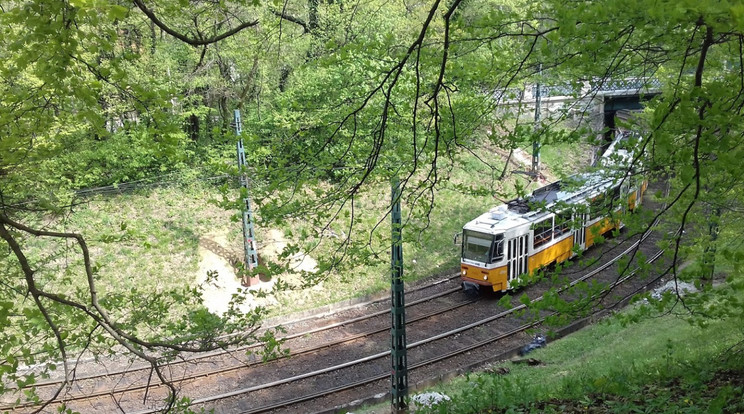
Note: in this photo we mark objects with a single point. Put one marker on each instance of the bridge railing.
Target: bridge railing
(626, 86)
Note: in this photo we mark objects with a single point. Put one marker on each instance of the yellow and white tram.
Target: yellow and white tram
(514, 240)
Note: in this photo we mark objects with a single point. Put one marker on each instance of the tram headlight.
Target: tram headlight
(464, 272)
(485, 277)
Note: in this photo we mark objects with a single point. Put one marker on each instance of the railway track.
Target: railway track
(508, 333)
(349, 336)
(426, 352)
(134, 379)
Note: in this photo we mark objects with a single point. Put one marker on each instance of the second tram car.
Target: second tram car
(514, 240)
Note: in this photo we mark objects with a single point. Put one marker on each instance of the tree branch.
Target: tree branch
(293, 19)
(192, 41)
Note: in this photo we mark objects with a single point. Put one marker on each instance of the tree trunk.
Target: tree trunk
(312, 19)
(153, 38)
(193, 127)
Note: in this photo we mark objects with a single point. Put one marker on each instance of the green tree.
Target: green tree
(338, 98)
(416, 97)
(86, 101)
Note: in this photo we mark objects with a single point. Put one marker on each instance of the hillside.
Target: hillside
(662, 364)
(173, 235)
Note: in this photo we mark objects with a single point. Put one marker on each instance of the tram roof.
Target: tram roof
(546, 200)
(541, 202)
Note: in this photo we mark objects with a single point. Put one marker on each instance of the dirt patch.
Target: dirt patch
(520, 162)
(217, 272)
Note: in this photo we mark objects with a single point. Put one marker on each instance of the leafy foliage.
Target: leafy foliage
(338, 99)
(661, 364)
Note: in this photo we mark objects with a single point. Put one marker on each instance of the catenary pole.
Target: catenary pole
(249, 239)
(536, 143)
(399, 377)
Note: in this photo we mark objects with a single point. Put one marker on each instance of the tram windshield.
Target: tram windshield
(482, 247)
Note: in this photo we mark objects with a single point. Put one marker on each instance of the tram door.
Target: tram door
(517, 257)
(580, 231)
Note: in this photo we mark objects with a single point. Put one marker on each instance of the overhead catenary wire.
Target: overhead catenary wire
(130, 186)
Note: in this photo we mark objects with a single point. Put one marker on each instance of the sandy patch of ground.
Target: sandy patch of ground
(523, 159)
(276, 243)
(217, 291)
(215, 255)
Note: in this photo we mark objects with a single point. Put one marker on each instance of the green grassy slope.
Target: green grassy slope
(152, 237)
(662, 364)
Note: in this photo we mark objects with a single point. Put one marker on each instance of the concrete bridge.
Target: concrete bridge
(596, 104)
(599, 100)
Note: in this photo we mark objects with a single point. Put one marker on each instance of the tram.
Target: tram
(511, 242)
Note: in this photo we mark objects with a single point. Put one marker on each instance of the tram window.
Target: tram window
(543, 232)
(597, 207)
(482, 247)
(562, 223)
(615, 192)
(601, 205)
(513, 245)
(498, 248)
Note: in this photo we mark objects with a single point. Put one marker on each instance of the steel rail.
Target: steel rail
(483, 342)
(206, 355)
(129, 388)
(416, 344)
(380, 355)
(436, 359)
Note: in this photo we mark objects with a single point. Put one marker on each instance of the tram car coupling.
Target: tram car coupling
(510, 243)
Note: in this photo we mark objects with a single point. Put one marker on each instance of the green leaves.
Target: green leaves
(5, 310)
(117, 12)
(91, 95)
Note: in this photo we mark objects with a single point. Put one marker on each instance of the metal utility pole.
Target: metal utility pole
(249, 240)
(399, 378)
(536, 144)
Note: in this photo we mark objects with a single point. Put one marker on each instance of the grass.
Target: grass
(663, 364)
(142, 244)
(428, 248)
(564, 158)
(149, 239)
